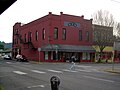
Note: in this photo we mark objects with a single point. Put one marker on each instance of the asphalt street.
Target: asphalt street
(32, 76)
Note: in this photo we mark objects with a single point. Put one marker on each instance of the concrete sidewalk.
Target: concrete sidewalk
(112, 70)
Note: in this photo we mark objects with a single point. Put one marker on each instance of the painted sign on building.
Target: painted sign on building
(74, 24)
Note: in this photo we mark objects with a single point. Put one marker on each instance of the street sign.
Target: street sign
(39, 49)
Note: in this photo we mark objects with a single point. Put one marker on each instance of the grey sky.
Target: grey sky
(25, 11)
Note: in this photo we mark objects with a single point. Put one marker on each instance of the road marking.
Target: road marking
(99, 79)
(36, 71)
(19, 72)
(83, 70)
(55, 71)
(42, 86)
(69, 70)
(8, 62)
(83, 66)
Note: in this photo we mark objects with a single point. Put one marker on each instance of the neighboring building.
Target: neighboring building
(54, 38)
(116, 49)
(103, 37)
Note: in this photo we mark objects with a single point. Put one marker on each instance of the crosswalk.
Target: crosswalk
(19, 72)
(37, 71)
(67, 70)
(78, 68)
(53, 71)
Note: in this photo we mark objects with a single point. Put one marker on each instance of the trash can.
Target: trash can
(55, 82)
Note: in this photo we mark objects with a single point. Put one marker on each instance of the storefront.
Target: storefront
(106, 56)
(63, 53)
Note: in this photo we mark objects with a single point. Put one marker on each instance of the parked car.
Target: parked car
(7, 57)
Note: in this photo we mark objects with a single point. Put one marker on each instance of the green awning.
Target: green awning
(68, 48)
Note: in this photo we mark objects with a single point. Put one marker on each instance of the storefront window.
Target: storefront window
(86, 56)
(51, 55)
(46, 55)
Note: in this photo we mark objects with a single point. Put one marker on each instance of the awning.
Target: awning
(68, 48)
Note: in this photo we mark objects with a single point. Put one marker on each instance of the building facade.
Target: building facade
(116, 51)
(103, 38)
(54, 38)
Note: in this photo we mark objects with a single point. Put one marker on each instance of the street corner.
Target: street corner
(112, 70)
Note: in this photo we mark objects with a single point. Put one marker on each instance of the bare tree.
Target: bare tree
(118, 29)
(103, 23)
(103, 18)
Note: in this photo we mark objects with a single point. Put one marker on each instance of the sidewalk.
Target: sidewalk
(112, 70)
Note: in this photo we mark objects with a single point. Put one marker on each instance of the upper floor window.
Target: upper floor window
(55, 33)
(36, 35)
(64, 33)
(43, 34)
(30, 36)
(16, 31)
(20, 38)
(80, 35)
(17, 41)
(87, 36)
(25, 38)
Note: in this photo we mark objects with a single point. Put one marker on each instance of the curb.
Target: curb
(112, 71)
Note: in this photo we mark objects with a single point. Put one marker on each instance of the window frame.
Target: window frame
(87, 35)
(43, 33)
(55, 33)
(25, 37)
(80, 35)
(63, 33)
(36, 35)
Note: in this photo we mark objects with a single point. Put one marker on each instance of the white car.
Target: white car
(7, 57)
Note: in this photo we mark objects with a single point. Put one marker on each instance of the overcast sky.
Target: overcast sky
(25, 11)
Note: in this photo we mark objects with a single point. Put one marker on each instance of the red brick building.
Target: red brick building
(54, 38)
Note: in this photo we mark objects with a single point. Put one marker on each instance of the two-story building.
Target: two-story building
(54, 38)
(103, 40)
